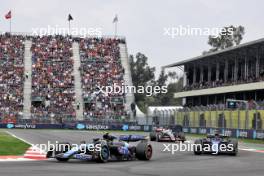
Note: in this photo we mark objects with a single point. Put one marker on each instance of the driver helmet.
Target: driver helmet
(106, 136)
(217, 134)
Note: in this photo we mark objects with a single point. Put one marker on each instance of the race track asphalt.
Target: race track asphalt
(163, 163)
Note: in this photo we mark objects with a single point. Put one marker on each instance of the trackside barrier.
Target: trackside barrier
(32, 126)
(236, 133)
(79, 126)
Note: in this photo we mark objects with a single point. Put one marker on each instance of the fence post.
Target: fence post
(210, 118)
(238, 120)
(231, 119)
(216, 119)
(247, 119)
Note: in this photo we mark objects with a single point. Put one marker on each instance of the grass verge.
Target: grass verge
(10, 145)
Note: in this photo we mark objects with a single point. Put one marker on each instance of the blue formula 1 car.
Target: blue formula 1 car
(106, 149)
(216, 144)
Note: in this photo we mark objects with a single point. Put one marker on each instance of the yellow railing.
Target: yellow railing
(236, 119)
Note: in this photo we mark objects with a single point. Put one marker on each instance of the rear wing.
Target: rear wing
(220, 135)
(157, 129)
(132, 138)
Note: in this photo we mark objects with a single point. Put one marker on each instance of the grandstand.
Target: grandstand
(11, 77)
(55, 79)
(212, 80)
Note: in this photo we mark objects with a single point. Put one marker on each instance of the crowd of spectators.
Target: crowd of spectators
(100, 67)
(11, 76)
(219, 83)
(251, 105)
(53, 93)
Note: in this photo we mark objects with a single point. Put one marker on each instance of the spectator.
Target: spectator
(52, 80)
(101, 66)
(11, 77)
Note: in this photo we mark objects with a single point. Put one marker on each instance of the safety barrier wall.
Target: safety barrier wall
(237, 119)
(79, 126)
(237, 133)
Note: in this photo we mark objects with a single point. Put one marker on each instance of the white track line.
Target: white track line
(19, 138)
(34, 148)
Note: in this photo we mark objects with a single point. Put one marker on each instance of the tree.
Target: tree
(168, 99)
(161, 81)
(173, 75)
(229, 36)
(142, 75)
(141, 72)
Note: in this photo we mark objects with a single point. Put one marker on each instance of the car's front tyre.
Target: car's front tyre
(197, 150)
(60, 149)
(103, 154)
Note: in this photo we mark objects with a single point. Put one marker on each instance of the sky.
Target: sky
(142, 22)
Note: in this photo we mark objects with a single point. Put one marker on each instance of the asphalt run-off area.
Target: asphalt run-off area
(162, 163)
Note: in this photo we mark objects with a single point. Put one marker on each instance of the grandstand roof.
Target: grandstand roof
(215, 53)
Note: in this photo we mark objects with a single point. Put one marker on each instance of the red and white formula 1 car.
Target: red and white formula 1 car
(167, 135)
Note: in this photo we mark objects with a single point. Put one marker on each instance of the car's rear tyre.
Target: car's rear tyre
(197, 150)
(144, 151)
(152, 136)
(103, 154)
(49, 154)
(235, 147)
(62, 147)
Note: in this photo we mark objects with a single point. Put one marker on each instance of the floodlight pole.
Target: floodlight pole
(10, 25)
(115, 29)
(69, 27)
